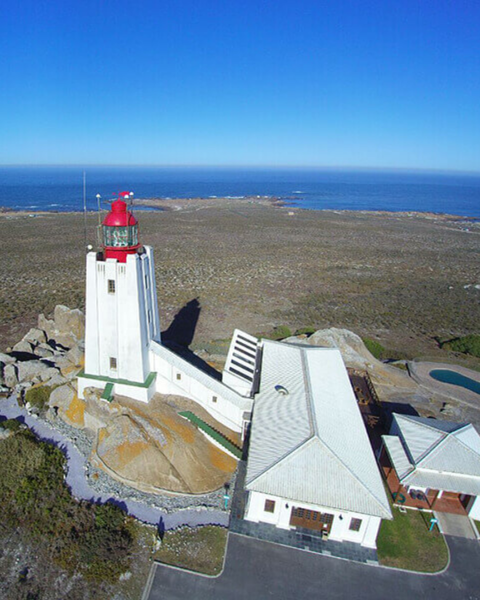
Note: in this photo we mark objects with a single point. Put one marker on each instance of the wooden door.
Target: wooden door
(311, 519)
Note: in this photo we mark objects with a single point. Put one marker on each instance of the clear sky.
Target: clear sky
(379, 83)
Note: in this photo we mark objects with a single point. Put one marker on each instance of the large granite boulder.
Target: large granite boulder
(6, 359)
(356, 355)
(67, 328)
(24, 347)
(10, 375)
(31, 369)
(35, 336)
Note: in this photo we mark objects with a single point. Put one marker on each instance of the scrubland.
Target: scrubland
(404, 280)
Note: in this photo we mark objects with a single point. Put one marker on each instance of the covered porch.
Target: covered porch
(423, 499)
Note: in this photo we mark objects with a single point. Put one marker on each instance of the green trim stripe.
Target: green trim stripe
(213, 433)
(146, 384)
(108, 392)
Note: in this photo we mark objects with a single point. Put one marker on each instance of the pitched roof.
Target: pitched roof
(308, 441)
(442, 454)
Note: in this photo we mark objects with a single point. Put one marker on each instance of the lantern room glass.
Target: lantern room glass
(120, 237)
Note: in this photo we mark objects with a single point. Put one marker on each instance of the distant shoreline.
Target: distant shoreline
(158, 204)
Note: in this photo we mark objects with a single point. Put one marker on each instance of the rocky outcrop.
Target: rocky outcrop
(10, 375)
(356, 355)
(50, 354)
(67, 328)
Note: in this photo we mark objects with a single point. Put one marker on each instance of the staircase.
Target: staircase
(213, 433)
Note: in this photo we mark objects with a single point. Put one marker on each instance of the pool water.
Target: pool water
(454, 378)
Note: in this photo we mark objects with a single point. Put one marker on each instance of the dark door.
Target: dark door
(311, 519)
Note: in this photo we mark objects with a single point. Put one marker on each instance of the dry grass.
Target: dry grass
(201, 549)
(394, 278)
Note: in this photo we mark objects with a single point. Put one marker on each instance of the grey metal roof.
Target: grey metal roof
(397, 454)
(310, 445)
(216, 386)
(443, 455)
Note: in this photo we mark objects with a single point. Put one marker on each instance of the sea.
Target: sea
(60, 188)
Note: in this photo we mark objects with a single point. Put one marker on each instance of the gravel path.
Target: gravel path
(77, 482)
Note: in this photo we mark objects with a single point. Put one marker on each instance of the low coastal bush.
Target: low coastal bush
(11, 424)
(375, 348)
(93, 540)
(281, 332)
(468, 344)
(305, 331)
(38, 396)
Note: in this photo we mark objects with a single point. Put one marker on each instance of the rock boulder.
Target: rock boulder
(10, 375)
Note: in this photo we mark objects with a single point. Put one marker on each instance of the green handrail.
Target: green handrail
(213, 433)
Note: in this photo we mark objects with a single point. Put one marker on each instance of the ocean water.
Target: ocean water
(61, 188)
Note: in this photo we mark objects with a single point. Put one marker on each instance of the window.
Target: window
(146, 281)
(149, 316)
(111, 286)
(214, 398)
(179, 376)
(269, 506)
(113, 363)
(355, 524)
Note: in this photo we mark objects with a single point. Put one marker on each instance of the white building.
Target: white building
(433, 465)
(121, 311)
(310, 462)
(123, 350)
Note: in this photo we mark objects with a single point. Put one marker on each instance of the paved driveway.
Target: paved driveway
(258, 570)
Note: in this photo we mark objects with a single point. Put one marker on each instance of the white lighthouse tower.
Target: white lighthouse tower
(121, 311)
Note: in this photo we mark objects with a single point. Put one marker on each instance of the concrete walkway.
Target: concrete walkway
(456, 525)
(78, 485)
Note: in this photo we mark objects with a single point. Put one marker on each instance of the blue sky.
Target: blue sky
(340, 83)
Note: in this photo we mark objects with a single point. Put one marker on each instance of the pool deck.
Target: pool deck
(420, 372)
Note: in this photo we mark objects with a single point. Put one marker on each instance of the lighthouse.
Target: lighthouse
(121, 310)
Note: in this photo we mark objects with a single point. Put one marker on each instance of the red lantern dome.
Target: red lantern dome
(120, 231)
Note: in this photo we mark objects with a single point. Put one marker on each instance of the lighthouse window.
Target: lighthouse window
(179, 376)
(120, 237)
(113, 363)
(111, 286)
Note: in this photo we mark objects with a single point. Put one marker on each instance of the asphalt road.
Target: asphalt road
(258, 570)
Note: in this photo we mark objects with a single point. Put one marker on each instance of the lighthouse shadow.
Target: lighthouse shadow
(179, 336)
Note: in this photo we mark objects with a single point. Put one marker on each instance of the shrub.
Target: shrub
(11, 424)
(468, 344)
(94, 540)
(38, 396)
(305, 331)
(281, 332)
(375, 348)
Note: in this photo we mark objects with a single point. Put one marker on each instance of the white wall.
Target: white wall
(366, 536)
(120, 325)
(474, 511)
(167, 382)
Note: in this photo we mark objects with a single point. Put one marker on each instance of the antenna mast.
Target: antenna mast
(85, 208)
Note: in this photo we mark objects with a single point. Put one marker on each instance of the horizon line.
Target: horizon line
(247, 166)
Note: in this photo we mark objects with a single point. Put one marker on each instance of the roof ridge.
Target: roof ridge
(431, 448)
(335, 455)
(288, 453)
(452, 436)
(308, 396)
(415, 419)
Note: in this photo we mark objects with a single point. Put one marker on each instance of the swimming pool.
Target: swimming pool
(454, 378)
